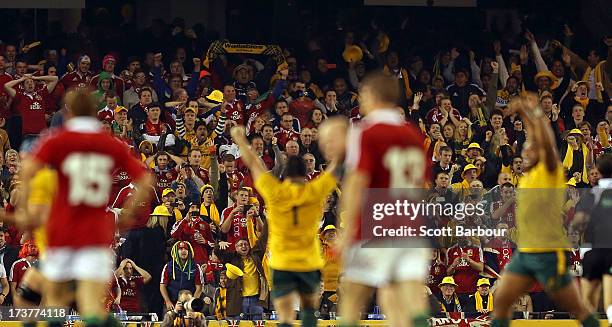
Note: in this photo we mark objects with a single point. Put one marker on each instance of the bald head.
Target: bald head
(503, 178)
(332, 138)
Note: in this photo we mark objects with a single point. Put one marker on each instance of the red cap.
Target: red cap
(107, 58)
(105, 115)
(183, 245)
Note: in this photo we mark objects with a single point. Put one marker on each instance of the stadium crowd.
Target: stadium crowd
(205, 228)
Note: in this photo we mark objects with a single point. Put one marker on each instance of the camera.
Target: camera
(195, 305)
(246, 208)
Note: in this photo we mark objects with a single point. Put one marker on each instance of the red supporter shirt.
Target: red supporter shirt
(111, 293)
(504, 251)
(435, 115)
(4, 98)
(301, 109)
(31, 107)
(164, 179)
(84, 157)
(238, 229)
(76, 79)
(379, 147)
(18, 269)
(437, 271)
(145, 208)
(130, 293)
(202, 174)
(464, 276)
(313, 175)
(121, 179)
(211, 267)
(283, 136)
(186, 229)
(235, 179)
(509, 214)
(235, 112)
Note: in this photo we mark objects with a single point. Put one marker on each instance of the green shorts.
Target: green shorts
(286, 282)
(550, 269)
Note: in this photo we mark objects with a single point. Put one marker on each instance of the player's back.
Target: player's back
(388, 150)
(84, 158)
(294, 213)
(391, 154)
(540, 200)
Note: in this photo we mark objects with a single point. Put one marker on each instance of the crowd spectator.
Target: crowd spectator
(174, 109)
(131, 279)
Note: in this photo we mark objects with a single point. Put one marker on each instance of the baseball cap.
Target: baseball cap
(183, 245)
(167, 191)
(474, 145)
(448, 280)
(120, 109)
(483, 281)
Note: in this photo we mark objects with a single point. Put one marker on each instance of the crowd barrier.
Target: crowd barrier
(438, 322)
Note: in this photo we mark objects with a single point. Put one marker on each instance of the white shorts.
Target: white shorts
(380, 266)
(85, 264)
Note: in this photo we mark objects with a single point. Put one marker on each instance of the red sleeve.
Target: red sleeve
(207, 234)
(177, 230)
(164, 275)
(133, 167)
(13, 273)
(364, 161)
(477, 255)
(47, 152)
(198, 275)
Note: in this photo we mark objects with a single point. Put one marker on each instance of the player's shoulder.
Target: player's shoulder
(19, 263)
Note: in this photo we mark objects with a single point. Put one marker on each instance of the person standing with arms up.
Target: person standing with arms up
(543, 247)
(294, 210)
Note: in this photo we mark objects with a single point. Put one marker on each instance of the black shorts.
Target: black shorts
(596, 263)
(286, 282)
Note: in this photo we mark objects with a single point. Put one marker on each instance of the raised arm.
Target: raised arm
(9, 87)
(146, 277)
(538, 125)
(503, 70)
(492, 90)
(537, 56)
(51, 81)
(248, 156)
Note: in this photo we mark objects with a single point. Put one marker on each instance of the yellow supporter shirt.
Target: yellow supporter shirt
(294, 213)
(42, 189)
(204, 148)
(540, 202)
(330, 273)
(250, 280)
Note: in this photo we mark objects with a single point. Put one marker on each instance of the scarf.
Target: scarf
(176, 262)
(405, 78)
(221, 305)
(568, 161)
(583, 102)
(457, 304)
(598, 78)
(213, 214)
(478, 299)
(251, 233)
